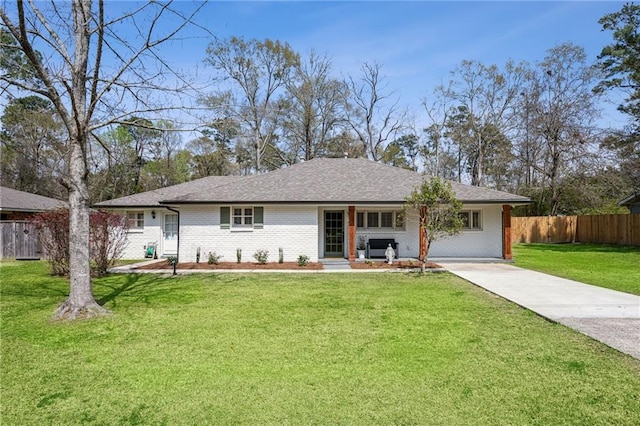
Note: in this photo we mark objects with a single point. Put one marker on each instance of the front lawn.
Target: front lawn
(614, 267)
(380, 348)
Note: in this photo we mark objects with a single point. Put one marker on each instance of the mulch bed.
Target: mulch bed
(162, 264)
(403, 264)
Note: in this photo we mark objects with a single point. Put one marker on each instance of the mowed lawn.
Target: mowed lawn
(381, 348)
(614, 267)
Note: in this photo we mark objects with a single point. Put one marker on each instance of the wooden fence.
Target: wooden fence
(19, 240)
(619, 229)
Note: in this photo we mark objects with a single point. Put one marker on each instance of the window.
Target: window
(372, 220)
(136, 220)
(386, 219)
(241, 217)
(380, 220)
(471, 219)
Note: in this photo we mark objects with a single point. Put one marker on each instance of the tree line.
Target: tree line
(531, 129)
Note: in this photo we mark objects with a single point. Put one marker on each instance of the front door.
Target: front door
(170, 229)
(334, 234)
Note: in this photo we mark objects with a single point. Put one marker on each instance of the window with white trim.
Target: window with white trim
(471, 220)
(241, 217)
(388, 219)
(136, 220)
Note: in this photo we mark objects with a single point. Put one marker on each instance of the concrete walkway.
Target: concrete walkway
(610, 316)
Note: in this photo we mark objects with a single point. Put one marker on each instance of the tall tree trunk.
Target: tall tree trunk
(80, 301)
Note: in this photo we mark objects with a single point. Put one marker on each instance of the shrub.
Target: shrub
(303, 259)
(172, 260)
(261, 256)
(280, 255)
(107, 239)
(239, 255)
(214, 258)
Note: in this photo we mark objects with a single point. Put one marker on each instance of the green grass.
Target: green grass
(614, 267)
(299, 349)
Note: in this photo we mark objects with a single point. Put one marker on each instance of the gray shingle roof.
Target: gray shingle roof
(332, 180)
(153, 198)
(20, 201)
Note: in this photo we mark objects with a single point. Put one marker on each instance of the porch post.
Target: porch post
(506, 232)
(352, 233)
(423, 234)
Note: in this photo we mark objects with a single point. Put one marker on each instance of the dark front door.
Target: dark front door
(334, 234)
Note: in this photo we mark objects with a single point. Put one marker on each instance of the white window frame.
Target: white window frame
(243, 216)
(135, 223)
(394, 220)
(474, 223)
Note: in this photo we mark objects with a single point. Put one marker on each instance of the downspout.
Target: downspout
(178, 242)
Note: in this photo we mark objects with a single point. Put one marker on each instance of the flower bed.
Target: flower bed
(163, 264)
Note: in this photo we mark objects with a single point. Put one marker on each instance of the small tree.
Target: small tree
(438, 209)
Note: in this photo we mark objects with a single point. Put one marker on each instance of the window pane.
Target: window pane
(386, 219)
(237, 212)
(476, 220)
(372, 220)
(248, 212)
(360, 219)
(465, 219)
(237, 220)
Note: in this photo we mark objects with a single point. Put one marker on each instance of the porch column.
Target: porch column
(506, 232)
(423, 234)
(352, 233)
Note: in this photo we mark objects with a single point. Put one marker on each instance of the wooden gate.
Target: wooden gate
(19, 240)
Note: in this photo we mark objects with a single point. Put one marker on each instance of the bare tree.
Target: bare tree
(562, 113)
(373, 112)
(77, 57)
(259, 69)
(438, 108)
(315, 114)
(485, 98)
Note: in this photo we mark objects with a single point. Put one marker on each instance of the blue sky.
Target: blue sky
(418, 42)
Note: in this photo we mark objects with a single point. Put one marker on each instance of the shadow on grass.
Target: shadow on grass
(148, 289)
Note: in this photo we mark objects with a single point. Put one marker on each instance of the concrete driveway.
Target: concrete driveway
(610, 316)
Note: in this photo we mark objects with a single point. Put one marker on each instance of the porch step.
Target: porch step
(336, 264)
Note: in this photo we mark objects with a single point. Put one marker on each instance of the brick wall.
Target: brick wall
(292, 228)
(483, 243)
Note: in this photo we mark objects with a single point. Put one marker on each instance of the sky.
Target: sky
(418, 42)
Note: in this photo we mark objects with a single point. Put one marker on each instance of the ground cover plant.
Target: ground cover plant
(609, 266)
(378, 348)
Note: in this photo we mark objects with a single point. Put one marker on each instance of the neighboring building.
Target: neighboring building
(632, 202)
(18, 237)
(318, 208)
(18, 205)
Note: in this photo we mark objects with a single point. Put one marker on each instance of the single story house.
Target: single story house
(19, 205)
(632, 202)
(320, 208)
(18, 237)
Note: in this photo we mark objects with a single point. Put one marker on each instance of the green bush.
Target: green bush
(261, 256)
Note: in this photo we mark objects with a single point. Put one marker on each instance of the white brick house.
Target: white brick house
(321, 208)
